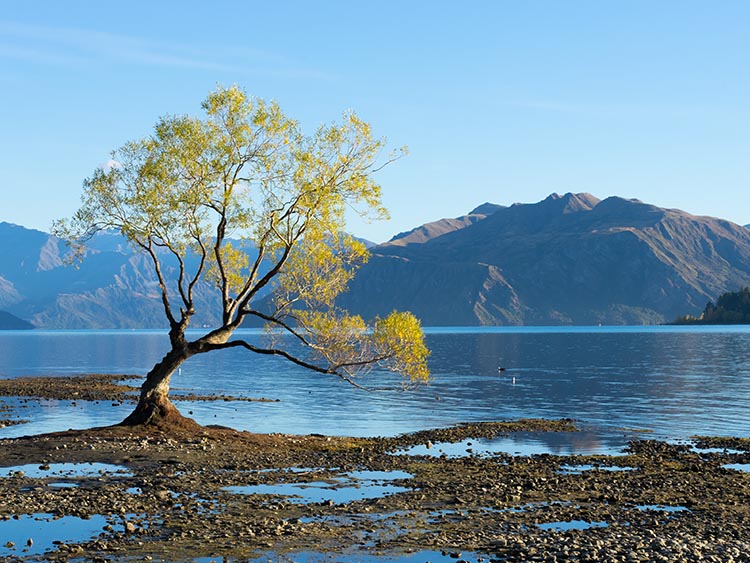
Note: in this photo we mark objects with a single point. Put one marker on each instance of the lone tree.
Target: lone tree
(245, 170)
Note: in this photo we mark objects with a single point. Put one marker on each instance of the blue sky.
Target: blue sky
(503, 101)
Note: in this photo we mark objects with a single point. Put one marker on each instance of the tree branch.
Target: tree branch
(162, 284)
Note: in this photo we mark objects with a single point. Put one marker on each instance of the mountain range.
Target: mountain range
(114, 287)
(571, 259)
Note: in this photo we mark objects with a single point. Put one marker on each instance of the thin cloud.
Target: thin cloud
(39, 56)
(66, 46)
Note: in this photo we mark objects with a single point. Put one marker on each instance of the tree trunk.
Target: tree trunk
(154, 408)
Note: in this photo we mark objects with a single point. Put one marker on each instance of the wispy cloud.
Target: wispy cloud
(68, 46)
(38, 56)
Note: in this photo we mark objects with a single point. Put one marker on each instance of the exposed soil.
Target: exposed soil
(96, 387)
(656, 502)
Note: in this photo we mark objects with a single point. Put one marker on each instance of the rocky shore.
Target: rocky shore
(172, 496)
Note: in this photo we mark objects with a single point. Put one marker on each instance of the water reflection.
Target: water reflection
(67, 470)
(528, 443)
(571, 525)
(35, 534)
(353, 486)
(677, 381)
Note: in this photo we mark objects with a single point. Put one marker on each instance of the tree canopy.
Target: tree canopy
(244, 174)
(731, 307)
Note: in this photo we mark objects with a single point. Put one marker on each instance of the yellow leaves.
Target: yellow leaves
(334, 335)
(230, 268)
(400, 337)
(395, 342)
(319, 269)
(244, 169)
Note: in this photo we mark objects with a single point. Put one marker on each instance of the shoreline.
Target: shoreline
(171, 496)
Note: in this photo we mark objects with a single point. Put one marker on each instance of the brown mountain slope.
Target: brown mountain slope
(435, 229)
(569, 259)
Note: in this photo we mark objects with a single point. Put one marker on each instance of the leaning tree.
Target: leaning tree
(245, 172)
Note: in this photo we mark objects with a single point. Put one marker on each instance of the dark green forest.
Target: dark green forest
(731, 308)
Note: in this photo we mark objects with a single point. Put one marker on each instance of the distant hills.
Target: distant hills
(114, 287)
(570, 259)
(11, 322)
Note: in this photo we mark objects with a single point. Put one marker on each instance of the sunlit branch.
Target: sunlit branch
(284, 354)
(276, 321)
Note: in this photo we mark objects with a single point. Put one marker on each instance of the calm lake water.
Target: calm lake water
(676, 381)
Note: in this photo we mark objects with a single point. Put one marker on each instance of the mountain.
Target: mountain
(114, 287)
(11, 322)
(570, 259)
(443, 226)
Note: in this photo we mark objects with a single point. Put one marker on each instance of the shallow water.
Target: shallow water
(69, 470)
(529, 443)
(662, 508)
(571, 525)
(43, 530)
(743, 467)
(355, 557)
(353, 486)
(677, 381)
(578, 469)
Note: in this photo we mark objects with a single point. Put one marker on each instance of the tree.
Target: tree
(244, 170)
(732, 307)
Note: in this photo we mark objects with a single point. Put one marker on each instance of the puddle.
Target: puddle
(357, 485)
(525, 444)
(378, 475)
(529, 506)
(296, 470)
(744, 467)
(725, 451)
(356, 557)
(69, 470)
(349, 519)
(571, 525)
(578, 469)
(43, 530)
(662, 508)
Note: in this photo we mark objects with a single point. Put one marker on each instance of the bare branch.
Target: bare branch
(206, 347)
(162, 284)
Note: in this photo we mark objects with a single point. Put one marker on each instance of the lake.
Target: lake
(675, 381)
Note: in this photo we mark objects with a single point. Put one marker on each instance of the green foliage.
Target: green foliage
(732, 307)
(245, 170)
